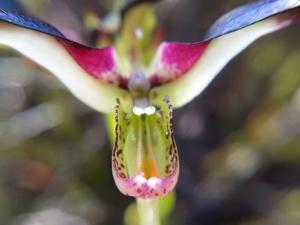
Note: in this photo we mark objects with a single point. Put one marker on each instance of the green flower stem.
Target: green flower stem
(148, 210)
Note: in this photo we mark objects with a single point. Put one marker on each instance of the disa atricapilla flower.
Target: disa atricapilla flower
(145, 158)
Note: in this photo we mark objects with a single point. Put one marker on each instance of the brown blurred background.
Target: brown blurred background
(239, 142)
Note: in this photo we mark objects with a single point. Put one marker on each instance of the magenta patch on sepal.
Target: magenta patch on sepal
(175, 59)
(100, 63)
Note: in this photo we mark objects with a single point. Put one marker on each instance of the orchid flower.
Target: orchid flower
(145, 160)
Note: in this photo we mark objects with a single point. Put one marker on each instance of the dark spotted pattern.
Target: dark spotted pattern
(117, 155)
(172, 153)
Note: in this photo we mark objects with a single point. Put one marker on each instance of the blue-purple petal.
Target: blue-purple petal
(29, 22)
(246, 15)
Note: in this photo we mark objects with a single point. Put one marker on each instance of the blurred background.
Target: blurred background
(239, 142)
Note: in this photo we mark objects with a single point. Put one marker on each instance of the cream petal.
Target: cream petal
(183, 70)
(92, 75)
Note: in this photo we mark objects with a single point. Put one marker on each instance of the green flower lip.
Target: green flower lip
(145, 159)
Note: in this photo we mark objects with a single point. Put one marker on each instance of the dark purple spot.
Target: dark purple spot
(119, 152)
